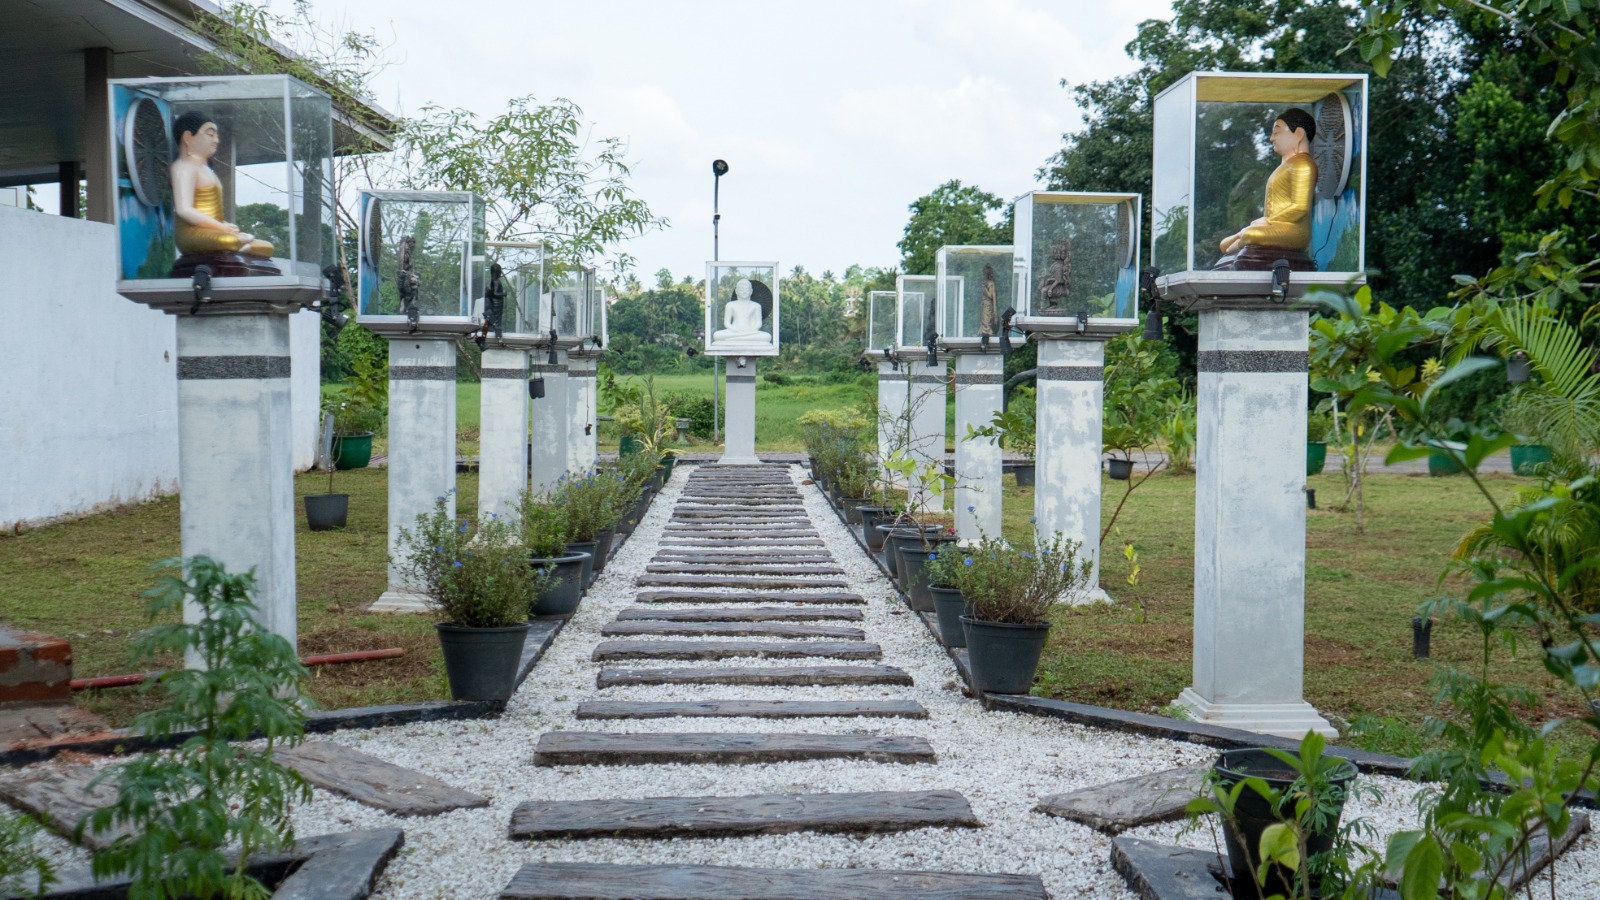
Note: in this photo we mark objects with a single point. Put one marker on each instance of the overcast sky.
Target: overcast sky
(833, 116)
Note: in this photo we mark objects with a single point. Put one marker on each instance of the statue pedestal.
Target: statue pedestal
(236, 455)
(550, 416)
(980, 385)
(739, 421)
(1250, 524)
(926, 413)
(503, 432)
(893, 426)
(1070, 411)
(581, 399)
(422, 447)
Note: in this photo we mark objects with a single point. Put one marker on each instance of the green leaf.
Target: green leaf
(1279, 845)
(1423, 867)
(1401, 452)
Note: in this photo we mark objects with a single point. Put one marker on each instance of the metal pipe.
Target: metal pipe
(1005, 389)
(321, 659)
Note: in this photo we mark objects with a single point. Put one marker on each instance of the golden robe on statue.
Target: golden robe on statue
(197, 239)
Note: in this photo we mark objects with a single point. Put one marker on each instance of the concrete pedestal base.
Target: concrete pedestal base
(979, 383)
(1069, 418)
(739, 424)
(581, 398)
(926, 412)
(503, 433)
(236, 455)
(1250, 524)
(422, 440)
(893, 426)
(550, 416)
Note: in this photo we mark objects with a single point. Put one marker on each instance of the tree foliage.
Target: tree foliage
(954, 214)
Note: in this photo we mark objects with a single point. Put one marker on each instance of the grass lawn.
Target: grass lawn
(84, 581)
(1361, 592)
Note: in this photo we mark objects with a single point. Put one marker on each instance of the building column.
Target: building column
(422, 448)
(236, 456)
(1250, 524)
(97, 164)
(581, 389)
(550, 425)
(926, 412)
(1069, 412)
(739, 421)
(980, 385)
(503, 433)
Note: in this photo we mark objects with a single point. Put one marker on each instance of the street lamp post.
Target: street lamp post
(719, 168)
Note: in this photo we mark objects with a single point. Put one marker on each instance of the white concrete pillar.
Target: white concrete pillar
(422, 446)
(979, 383)
(927, 405)
(1250, 524)
(503, 432)
(739, 415)
(892, 423)
(550, 416)
(236, 455)
(581, 388)
(1069, 413)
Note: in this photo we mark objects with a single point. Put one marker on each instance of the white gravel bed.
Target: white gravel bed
(1002, 762)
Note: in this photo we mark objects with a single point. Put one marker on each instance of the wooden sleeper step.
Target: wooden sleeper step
(607, 651)
(763, 675)
(752, 709)
(607, 881)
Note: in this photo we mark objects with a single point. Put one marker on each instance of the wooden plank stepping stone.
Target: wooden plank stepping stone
(691, 596)
(60, 796)
(608, 651)
(1119, 805)
(758, 614)
(663, 817)
(767, 675)
(742, 568)
(742, 541)
(723, 532)
(739, 581)
(604, 881)
(590, 748)
(375, 782)
(752, 709)
(736, 559)
(735, 629)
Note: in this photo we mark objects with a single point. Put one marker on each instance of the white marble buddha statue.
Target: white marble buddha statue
(741, 322)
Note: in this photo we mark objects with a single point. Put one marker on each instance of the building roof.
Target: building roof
(42, 74)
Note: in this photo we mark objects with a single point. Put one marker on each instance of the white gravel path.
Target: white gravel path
(1003, 763)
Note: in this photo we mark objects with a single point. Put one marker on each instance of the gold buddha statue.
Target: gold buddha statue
(202, 235)
(1284, 229)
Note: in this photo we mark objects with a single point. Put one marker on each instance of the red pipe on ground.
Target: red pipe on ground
(321, 659)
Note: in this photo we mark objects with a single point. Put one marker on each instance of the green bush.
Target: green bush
(23, 870)
(476, 573)
(543, 527)
(700, 411)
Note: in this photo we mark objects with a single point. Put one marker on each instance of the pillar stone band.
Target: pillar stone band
(928, 379)
(1072, 373)
(581, 373)
(980, 378)
(1237, 361)
(741, 379)
(422, 373)
(206, 368)
(543, 369)
(515, 374)
(891, 376)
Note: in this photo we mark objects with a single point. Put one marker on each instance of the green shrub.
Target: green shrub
(476, 573)
(23, 870)
(1005, 583)
(542, 527)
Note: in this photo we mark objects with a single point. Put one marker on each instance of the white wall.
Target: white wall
(88, 379)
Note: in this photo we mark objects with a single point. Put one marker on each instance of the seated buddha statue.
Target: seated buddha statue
(1284, 229)
(741, 322)
(202, 236)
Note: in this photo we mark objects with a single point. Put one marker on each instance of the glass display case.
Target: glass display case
(229, 179)
(976, 285)
(916, 311)
(1080, 253)
(742, 308)
(1251, 169)
(602, 303)
(566, 307)
(423, 264)
(521, 267)
(881, 321)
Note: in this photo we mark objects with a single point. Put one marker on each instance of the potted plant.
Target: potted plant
(476, 574)
(543, 531)
(1011, 590)
(909, 528)
(358, 411)
(330, 510)
(586, 500)
(1280, 815)
(1449, 443)
(1317, 427)
(1528, 457)
(943, 572)
(915, 555)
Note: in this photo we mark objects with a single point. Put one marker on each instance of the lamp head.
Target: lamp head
(719, 167)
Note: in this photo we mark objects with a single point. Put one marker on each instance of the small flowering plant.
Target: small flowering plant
(1016, 584)
(543, 527)
(476, 574)
(945, 565)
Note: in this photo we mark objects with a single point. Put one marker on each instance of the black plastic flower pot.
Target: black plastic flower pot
(1253, 814)
(481, 663)
(562, 597)
(871, 518)
(588, 548)
(1002, 656)
(1120, 469)
(1024, 473)
(913, 565)
(1421, 637)
(850, 508)
(602, 555)
(325, 511)
(950, 606)
(907, 535)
